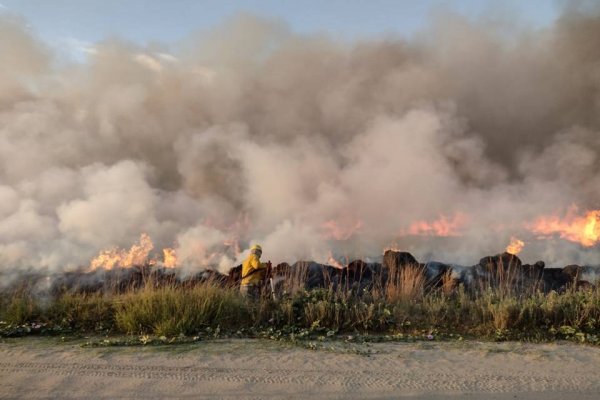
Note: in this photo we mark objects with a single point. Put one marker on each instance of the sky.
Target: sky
(70, 25)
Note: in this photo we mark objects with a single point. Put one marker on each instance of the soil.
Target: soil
(45, 368)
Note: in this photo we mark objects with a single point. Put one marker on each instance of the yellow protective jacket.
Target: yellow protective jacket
(253, 271)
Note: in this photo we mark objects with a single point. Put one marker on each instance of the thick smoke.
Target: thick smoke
(304, 144)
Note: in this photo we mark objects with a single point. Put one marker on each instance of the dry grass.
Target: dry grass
(171, 311)
(403, 303)
(405, 284)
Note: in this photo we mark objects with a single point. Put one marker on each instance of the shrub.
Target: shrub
(171, 311)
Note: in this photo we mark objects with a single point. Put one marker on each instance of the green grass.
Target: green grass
(20, 308)
(170, 311)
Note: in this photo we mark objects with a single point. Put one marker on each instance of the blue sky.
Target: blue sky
(69, 23)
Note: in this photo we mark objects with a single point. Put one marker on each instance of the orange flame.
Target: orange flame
(136, 255)
(515, 246)
(333, 262)
(575, 228)
(169, 258)
(443, 226)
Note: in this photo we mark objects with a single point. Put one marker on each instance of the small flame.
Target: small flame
(443, 226)
(333, 262)
(515, 246)
(394, 246)
(575, 228)
(169, 258)
(136, 255)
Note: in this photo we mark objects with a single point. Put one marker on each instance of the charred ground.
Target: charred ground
(503, 269)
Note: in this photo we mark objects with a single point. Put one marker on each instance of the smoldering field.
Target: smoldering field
(471, 131)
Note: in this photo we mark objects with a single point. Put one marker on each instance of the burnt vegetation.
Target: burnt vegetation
(500, 272)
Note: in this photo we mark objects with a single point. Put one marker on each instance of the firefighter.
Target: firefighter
(253, 273)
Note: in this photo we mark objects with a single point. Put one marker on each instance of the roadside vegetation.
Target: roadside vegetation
(403, 309)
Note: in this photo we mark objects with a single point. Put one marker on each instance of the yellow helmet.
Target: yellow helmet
(256, 247)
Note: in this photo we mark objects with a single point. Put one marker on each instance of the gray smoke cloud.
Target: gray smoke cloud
(311, 147)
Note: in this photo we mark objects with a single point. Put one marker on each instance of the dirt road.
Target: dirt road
(252, 369)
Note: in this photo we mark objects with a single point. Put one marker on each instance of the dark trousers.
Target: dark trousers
(250, 291)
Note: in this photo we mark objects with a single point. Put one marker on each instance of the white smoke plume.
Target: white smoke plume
(311, 147)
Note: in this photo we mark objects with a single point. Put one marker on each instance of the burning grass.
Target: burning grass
(403, 308)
